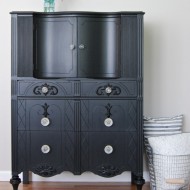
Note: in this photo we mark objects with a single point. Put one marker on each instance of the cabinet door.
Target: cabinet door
(55, 52)
(98, 47)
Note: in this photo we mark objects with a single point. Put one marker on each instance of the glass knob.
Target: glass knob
(108, 122)
(81, 46)
(45, 149)
(108, 90)
(45, 121)
(44, 89)
(108, 149)
(72, 47)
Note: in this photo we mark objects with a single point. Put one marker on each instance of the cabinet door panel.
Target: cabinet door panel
(98, 47)
(55, 41)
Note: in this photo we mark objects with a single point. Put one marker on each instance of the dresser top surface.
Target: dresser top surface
(78, 13)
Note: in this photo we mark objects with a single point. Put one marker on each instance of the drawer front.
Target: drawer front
(110, 153)
(107, 89)
(44, 88)
(109, 115)
(45, 115)
(45, 153)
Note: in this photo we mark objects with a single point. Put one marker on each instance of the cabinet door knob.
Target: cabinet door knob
(108, 149)
(81, 46)
(72, 46)
(108, 122)
(45, 121)
(45, 149)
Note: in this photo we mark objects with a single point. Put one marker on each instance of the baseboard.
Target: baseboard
(69, 177)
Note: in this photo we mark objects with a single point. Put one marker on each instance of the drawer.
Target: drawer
(107, 89)
(47, 150)
(111, 153)
(109, 115)
(45, 153)
(45, 114)
(44, 88)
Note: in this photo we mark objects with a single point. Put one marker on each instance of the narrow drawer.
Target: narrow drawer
(100, 88)
(44, 88)
(109, 115)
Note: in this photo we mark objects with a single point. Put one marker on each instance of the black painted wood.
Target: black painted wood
(99, 47)
(77, 109)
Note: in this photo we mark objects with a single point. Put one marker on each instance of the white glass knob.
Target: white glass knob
(45, 121)
(45, 149)
(44, 89)
(72, 47)
(108, 149)
(108, 90)
(108, 122)
(81, 46)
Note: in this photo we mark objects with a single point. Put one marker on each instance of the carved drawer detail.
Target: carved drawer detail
(109, 89)
(44, 88)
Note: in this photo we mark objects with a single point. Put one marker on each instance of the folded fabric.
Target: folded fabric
(171, 145)
(162, 126)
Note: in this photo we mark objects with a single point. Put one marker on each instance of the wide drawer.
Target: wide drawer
(45, 153)
(45, 115)
(108, 115)
(109, 153)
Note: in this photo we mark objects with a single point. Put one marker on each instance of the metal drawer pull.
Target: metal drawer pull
(108, 149)
(108, 122)
(81, 46)
(45, 149)
(45, 121)
(108, 90)
(44, 89)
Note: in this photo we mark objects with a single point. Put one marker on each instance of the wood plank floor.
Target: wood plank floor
(72, 186)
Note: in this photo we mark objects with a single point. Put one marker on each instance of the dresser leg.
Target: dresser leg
(137, 180)
(15, 181)
(25, 177)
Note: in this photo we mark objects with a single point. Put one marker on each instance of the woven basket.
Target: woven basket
(171, 172)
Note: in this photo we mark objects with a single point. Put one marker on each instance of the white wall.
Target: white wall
(166, 61)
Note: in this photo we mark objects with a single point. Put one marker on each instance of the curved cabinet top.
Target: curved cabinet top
(79, 13)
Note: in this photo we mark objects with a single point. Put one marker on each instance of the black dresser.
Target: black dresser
(77, 89)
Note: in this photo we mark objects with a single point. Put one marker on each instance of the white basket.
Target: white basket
(171, 172)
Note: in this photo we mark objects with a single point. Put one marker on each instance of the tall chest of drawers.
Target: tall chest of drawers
(77, 94)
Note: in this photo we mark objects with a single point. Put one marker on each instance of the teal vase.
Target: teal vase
(49, 5)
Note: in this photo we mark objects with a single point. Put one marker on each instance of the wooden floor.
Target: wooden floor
(72, 186)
